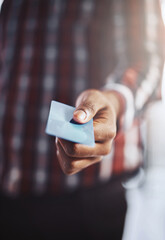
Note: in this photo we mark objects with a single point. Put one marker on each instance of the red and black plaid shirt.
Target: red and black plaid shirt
(55, 49)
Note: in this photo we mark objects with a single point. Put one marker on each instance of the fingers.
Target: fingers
(82, 151)
(103, 134)
(72, 165)
(87, 105)
(104, 126)
(74, 157)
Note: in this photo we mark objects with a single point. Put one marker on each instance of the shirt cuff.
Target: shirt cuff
(126, 117)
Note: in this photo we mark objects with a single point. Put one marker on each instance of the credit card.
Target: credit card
(60, 123)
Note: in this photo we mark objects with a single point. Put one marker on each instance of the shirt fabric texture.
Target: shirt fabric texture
(53, 50)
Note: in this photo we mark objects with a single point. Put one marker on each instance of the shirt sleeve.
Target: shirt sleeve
(137, 76)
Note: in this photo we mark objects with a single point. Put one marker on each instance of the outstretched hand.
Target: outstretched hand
(103, 107)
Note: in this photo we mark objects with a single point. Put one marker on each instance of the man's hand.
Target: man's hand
(103, 107)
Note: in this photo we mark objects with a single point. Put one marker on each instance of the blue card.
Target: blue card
(60, 124)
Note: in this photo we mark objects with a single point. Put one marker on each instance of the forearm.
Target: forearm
(138, 76)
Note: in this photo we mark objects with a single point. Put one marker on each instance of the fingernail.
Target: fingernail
(80, 114)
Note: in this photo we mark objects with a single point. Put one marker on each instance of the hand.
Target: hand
(103, 107)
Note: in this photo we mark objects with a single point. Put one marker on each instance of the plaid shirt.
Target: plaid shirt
(53, 49)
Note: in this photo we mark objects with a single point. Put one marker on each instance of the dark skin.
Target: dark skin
(104, 107)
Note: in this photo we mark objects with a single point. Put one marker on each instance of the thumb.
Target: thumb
(87, 107)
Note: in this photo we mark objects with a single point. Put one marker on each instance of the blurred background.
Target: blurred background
(145, 219)
(146, 193)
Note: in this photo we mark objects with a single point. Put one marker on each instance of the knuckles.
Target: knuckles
(109, 135)
(106, 149)
(67, 165)
(72, 167)
(68, 169)
(72, 150)
(70, 153)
